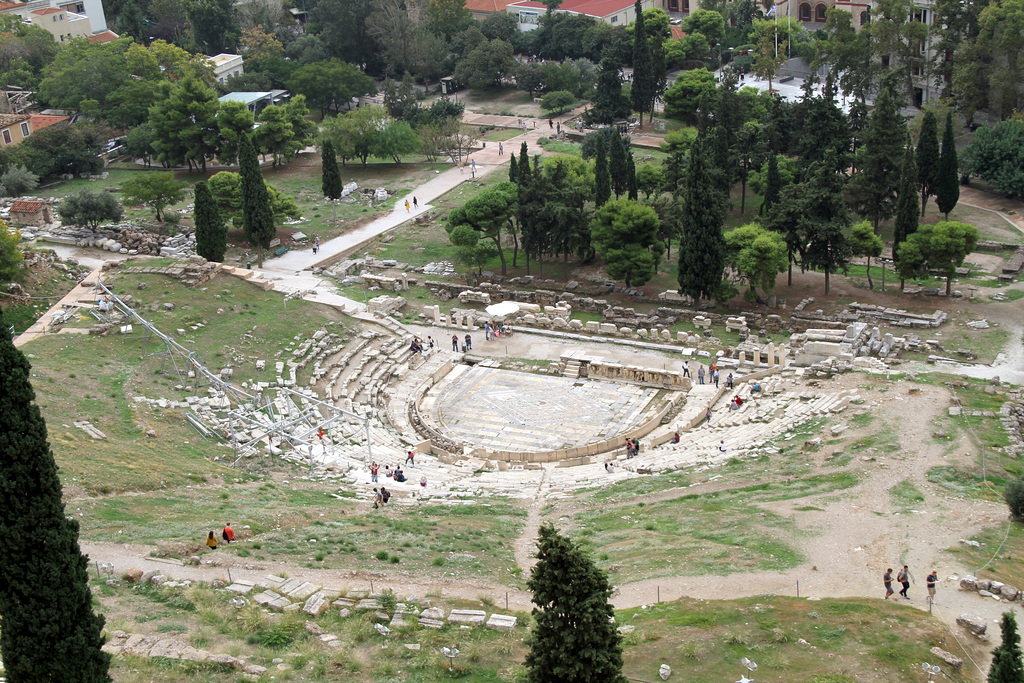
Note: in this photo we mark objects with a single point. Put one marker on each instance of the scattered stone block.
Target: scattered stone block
(948, 657)
(316, 604)
(974, 624)
(473, 617)
(502, 622)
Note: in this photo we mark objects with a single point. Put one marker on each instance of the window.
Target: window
(885, 61)
(7, 137)
(916, 71)
(805, 12)
(615, 19)
(819, 13)
(528, 17)
(865, 18)
(24, 129)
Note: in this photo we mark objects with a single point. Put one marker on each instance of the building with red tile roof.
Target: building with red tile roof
(39, 121)
(616, 12)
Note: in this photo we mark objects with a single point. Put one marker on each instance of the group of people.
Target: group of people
(415, 205)
(904, 577)
(227, 533)
(632, 448)
(712, 374)
(418, 346)
(495, 331)
(396, 474)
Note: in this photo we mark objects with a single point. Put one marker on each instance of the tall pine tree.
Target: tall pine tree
(632, 191)
(513, 168)
(617, 164)
(906, 205)
(947, 184)
(575, 640)
(331, 178)
(50, 632)
(602, 179)
(826, 219)
(641, 93)
(878, 163)
(1006, 659)
(211, 233)
(258, 219)
(608, 104)
(927, 157)
(701, 245)
(772, 184)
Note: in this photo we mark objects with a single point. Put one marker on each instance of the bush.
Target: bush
(557, 101)
(1014, 495)
(382, 555)
(17, 180)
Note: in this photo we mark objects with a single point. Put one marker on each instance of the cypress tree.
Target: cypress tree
(617, 164)
(906, 206)
(632, 191)
(602, 180)
(701, 245)
(211, 233)
(258, 219)
(608, 104)
(927, 157)
(947, 182)
(641, 93)
(331, 177)
(50, 632)
(513, 168)
(1006, 659)
(772, 184)
(575, 640)
(878, 164)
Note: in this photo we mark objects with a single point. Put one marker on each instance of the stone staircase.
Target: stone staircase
(572, 369)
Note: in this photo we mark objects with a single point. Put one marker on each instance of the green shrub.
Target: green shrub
(382, 555)
(276, 637)
(1014, 495)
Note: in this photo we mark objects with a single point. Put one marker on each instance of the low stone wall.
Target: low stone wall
(638, 375)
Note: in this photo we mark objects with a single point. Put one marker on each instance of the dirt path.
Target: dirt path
(524, 546)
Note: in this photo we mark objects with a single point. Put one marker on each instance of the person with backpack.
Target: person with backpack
(211, 541)
(385, 495)
(904, 578)
(378, 500)
(228, 534)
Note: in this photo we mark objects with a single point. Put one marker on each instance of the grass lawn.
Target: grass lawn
(719, 533)
(95, 378)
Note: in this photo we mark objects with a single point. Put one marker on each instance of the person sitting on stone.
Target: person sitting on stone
(756, 389)
(675, 438)
(423, 480)
(388, 472)
(399, 475)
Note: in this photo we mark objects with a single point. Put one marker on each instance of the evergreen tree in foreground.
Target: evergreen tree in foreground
(947, 184)
(50, 632)
(928, 157)
(575, 640)
(772, 185)
(258, 218)
(701, 245)
(331, 180)
(617, 148)
(1006, 659)
(211, 233)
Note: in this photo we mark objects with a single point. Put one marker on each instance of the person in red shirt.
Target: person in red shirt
(229, 533)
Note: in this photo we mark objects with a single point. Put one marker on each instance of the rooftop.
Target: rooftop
(591, 8)
(11, 119)
(486, 5)
(40, 121)
(222, 58)
(48, 10)
(245, 98)
(4, 5)
(103, 37)
(27, 206)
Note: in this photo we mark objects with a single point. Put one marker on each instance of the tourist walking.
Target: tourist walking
(487, 332)
(501, 149)
(717, 375)
(407, 206)
(415, 204)
(211, 541)
(686, 368)
(932, 579)
(708, 414)
(228, 534)
(904, 578)
(430, 342)
(700, 374)
(409, 459)
(378, 500)
(374, 469)
(455, 342)
(887, 580)
(728, 381)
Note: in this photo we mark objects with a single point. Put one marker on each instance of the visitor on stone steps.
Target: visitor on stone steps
(932, 579)
(455, 342)
(374, 469)
(211, 541)
(228, 533)
(700, 374)
(675, 438)
(469, 343)
(399, 475)
(423, 480)
(385, 495)
(409, 459)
